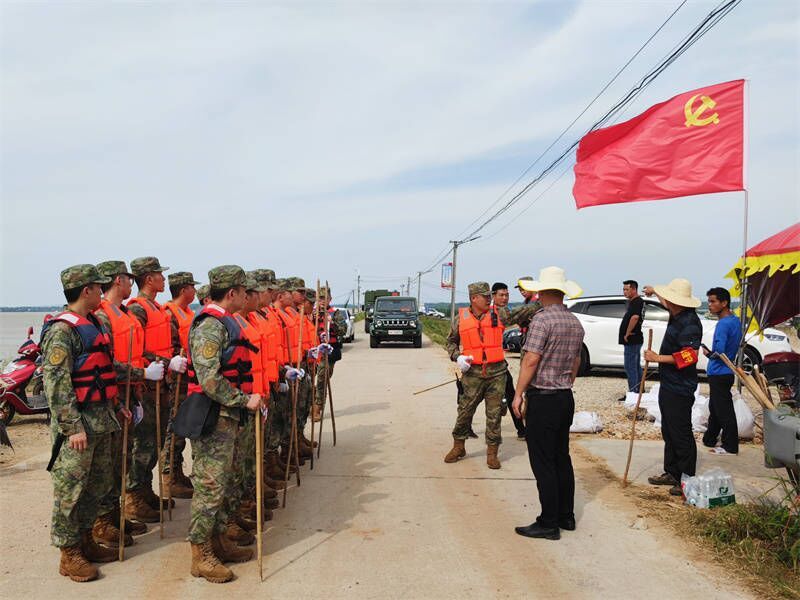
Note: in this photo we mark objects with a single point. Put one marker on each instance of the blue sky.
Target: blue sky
(321, 139)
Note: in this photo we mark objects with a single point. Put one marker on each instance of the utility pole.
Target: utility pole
(419, 288)
(456, 244)
(408, 286)
(358, 292)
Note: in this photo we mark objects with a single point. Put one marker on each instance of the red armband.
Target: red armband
(686, 357)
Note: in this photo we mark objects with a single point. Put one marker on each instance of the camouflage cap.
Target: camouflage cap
(324, 293)
(202, 292)
(182, 278)
(523, 278)
(296, 284)
(112, 268)
(226, 276)
(264, 276)
(146, 264)
(253, 284)
(310, 295)
(282, 285)
(479, 287)
(79, 275)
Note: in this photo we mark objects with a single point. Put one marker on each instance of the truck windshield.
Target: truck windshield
(406, 305)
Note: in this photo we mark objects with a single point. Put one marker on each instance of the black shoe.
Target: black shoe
(534, 530)
(622, 399)
(676, 490)
(472, 434)
(663, 479)
(520, 435)
(567, 523)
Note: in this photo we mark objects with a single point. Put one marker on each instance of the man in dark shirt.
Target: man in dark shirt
(677, 367)
(630, 334)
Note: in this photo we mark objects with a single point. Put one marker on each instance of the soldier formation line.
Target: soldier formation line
(129, 382)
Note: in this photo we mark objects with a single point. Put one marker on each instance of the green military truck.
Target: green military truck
(395, 319)
(369, 304)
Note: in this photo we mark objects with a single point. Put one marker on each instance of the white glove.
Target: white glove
(323, 337)
(283, 387)
(138, 414)
(293, 374)
(154, 371)
(314, 353)
(464, 362)
(325, 349)
(178, 364)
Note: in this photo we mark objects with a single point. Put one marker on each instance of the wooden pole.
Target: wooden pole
(259, 494)
(293, 435)
(172, 414)
(433, 387)
(314, 381)
(636, 410)
(124, 471)
(160, 460)
(328, 371)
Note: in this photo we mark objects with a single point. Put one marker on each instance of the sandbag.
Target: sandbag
(586, 422)
(745, 420)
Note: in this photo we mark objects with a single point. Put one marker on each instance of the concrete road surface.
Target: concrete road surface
(382, 516)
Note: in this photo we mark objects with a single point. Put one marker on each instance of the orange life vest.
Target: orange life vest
(291, 323)
(184, 318)
(310, 338)
(480, 338)
(121, 324)
(281, 349)
(253, 335)
(269, 358)
(157, 335)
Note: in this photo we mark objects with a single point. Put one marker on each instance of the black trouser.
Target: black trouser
(722, 416)
(549, 416)
(509, 395)
(680, 450)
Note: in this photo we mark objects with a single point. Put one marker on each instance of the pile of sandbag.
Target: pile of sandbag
(700, 411)
(586, 422)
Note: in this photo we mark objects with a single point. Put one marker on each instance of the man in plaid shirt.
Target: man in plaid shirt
(548, 370)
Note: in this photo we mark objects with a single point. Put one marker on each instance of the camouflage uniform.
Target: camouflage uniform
(81, 480)
(280, 409)
(478, 384)
(338, 329)
(177, 278)
(144, 453)
(202, 293)
(213, 454)
(111, 269)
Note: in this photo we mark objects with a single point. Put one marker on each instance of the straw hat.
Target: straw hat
(551, 278)
(678, 291)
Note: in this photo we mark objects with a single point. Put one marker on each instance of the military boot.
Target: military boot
(137, 508)
(244, 521)
(152, 499)
(316, 413)
(456, 452)
(206, 564)
(94, 552)
(75, 566)
(227, 551)
(272, 468)
(175, 484)
(491, 456)
(182, 478)
(131, 527)
(236, 534)
(106, 532)
(286, 459)
(305, 450)
(307, 441)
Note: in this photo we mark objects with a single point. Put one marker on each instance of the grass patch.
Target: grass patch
(436, 329)
(360, 316)
(764, 538)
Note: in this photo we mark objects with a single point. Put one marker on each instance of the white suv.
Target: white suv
(601, 317)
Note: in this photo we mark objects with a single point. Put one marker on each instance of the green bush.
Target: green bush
(436, 329)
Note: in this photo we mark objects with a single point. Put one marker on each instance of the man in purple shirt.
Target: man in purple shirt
(548, 370)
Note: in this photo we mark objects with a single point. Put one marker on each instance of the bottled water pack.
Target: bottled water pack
(712, 489)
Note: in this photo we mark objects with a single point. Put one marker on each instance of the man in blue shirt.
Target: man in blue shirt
(727, 336)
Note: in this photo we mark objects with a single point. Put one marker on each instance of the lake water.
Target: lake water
(14, 328)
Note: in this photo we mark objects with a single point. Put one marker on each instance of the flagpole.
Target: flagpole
(746, 219)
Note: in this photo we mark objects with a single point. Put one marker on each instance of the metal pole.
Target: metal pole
(743, 307)
(419, 287)
(358, 293)
(453, 288)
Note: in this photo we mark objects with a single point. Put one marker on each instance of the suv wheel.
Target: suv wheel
(373, 342)
(584, 367)
(418, 341)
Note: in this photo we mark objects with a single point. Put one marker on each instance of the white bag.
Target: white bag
(745, 420)
(586, 422)
(700, 413)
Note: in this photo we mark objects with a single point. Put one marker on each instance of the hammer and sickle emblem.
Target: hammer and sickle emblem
(693, 117)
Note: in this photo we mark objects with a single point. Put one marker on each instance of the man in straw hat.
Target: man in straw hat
(548, 370)
(677, 369)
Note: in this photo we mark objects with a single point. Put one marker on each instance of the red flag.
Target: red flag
(690, 144)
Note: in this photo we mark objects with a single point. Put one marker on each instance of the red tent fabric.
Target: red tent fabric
(783, 242)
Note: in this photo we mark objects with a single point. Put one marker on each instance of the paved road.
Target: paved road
(382, 516)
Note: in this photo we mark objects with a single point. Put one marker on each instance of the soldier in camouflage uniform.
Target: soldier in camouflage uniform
(82, 468)
(332, 328)
(213, 453)
(479, 382)
(202, 295)
(182, 290)
(105, 529)
(306, 385)
(150, 280)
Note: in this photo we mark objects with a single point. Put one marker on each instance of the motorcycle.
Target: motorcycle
(17, 375)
